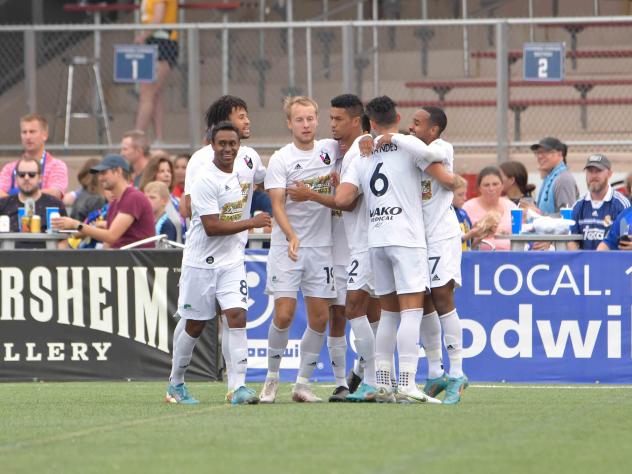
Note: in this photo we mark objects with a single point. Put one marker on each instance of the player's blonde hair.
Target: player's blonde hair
(157, 187)
(459, 181)
(305, 101)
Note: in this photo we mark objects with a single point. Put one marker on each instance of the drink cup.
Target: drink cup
(49, 214)
(23, 220)
(516, 221)
(36, 224)
(566, 213)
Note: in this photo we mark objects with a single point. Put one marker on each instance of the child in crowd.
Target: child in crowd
(158, 195)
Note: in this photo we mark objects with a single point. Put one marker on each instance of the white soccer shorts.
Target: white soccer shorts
(312, 273)
(200, 287)
(399, 269)
(444, 261)
(359, 274)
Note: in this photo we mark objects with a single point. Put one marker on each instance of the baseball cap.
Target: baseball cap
(598, 161)
(549, 143)
(110, 162)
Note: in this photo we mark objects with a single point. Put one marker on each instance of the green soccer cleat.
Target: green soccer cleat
(179, 394)
(434, 387)
(364, 393)
(244, 396)
(454, 390)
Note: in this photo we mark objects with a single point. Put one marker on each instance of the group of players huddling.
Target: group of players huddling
(364, 227)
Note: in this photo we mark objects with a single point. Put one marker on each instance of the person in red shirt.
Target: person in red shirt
(130, 217)
(54, 172)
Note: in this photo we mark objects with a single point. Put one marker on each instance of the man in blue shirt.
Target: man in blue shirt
(596, 211)
(620, 235)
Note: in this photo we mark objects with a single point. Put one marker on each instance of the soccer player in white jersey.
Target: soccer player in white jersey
(301, 246)
(443, 236)
(351, 264)
(391, 183)
(213, 267)
(248, 166)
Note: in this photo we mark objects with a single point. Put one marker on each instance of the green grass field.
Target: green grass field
(126, 427)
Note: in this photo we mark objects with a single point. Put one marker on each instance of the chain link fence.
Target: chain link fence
(450, 64)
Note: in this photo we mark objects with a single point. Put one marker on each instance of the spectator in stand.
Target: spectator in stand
(130, 217)
(179, 173)
(559, 189)
(158, 195)
(54, 172)
(490, 212)
(627, 185)
(160, 169)
(150, 103)
(468, 231)
(97, 218)
(516, 187)
(595, 213)
(620, 234)
(88, 197)
(28, 179)
(135, 149)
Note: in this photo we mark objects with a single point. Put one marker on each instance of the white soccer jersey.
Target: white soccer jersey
(340, 245)
(311, 221)
(356, 221)
(219, 193)
(439, 217)
(391, 184)
(248, 166)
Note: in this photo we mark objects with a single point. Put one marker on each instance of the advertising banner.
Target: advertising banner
(527, 317)
(86, 315)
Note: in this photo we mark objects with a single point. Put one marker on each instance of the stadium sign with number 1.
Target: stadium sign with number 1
(135, 63)
(543, 62)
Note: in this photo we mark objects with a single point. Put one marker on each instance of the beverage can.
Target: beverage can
(25, 224)
(516, 221)
(36, 224)
(50, 211)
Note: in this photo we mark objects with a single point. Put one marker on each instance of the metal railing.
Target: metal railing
(244, 59)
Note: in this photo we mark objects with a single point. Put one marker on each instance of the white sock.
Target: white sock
(311, 344)
(178, 330)
(337, 347)
(239, 356)
(182, 353)
(358, 366)
(226, 352)
(277, 342)
(385, 342)
(431, 339)
(453, 340)
(407, 345)
(365, 345)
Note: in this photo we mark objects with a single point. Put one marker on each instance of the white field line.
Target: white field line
(29, 443)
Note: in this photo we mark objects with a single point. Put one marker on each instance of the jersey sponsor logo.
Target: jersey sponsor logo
(593, 234)
(436, 278)
(298, 167)
(384, 213)
(226, 187)
(320, 184)
(210, 260)
(426, 189)
(232, 211)
(351, 280)
(248, 161)
(336, 213)
(324, 156)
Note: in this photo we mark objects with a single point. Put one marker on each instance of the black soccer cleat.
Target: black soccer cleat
(339, 395)
(353, 381)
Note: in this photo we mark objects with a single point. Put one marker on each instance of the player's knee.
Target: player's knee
(283, 320)
(236, 319)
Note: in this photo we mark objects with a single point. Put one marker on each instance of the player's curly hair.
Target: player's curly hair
(437, 117)
(220, 110)
(350, 102)
(382, 111)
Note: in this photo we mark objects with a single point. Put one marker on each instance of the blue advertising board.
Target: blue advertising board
(135, 63)
(543, 62)
(527, 317)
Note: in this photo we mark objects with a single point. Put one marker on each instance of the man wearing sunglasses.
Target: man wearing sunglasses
(28, 179)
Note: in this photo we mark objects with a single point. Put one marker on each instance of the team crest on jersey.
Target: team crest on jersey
(210, 260)
(324, 156)
(248, 161)
(607, 221)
